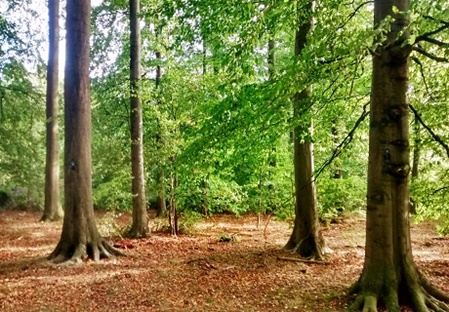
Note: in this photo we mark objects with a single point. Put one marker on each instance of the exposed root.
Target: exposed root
(420, 301)
(65, 253)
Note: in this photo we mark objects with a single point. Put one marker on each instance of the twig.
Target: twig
(440, 189)
(435, 136)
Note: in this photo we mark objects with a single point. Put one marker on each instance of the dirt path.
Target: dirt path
(194, 272)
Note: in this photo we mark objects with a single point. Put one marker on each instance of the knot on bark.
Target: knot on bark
(399, 170)
(395, 113)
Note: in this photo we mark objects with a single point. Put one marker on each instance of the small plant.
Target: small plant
(108, 227)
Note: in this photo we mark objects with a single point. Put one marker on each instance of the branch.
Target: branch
(430, 55)
(435, 42)
(440, 189)
(421, 70)
(435, 136)
(350, 16)
(292, 259)
(425, 36)
(343, 144)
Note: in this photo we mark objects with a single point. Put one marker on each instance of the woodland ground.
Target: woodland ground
(195, 272)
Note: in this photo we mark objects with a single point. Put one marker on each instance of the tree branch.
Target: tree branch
(339, 149)
(421, 70)
(435, 136)
(435, 42)
(430, 55)
(426, 36)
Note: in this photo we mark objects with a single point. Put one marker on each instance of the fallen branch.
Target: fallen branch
(292, 259)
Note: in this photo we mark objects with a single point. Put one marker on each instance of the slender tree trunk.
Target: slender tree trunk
(173, 211)
(160, 201)
(139, 226)
(52, 209)
(80, 238)
(338, 173)
(389, 274)
(416, 150)
(306, 238)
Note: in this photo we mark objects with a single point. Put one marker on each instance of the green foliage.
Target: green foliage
(336, 196)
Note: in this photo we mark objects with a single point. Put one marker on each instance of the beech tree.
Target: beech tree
(52, 207)
(306, 238)
(139, 226)
(389, 274)
(80, 238)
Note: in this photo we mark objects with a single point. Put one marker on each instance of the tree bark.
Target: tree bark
(306, 238)
(389, 274)
(52, 207)
(139, 226)
(80, 238)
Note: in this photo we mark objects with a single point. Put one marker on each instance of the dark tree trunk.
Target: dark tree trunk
(139, 226)
(160, 201)
(306, 238)
(173, 211)
(389, 274)
(80, 238)
(52, 208)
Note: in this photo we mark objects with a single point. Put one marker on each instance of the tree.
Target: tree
(306, 238)
(139, 226)
(160, 200)
(389, 274)
(80, 238)
(52, 208)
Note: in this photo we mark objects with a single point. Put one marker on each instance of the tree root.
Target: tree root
(68, 253)
(421, 299)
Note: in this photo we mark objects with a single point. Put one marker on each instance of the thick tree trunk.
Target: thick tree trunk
(389, 274)
(52, 208)
(139, 226)
(80, 238)
(306, 238)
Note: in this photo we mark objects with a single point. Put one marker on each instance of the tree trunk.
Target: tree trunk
(306, 238)
(80, 238)
(160, 201)
(338, 172)
(139, 226)
(52, 208)
(416, 150)
(389, 274)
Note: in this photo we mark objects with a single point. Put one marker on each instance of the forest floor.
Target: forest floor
(196, 271)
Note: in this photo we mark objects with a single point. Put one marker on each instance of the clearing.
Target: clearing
(200, 271)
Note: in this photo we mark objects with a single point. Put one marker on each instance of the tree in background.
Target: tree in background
(306, 238)
(80, 238)
(52, 207)
(139, 226)
(389, 274)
